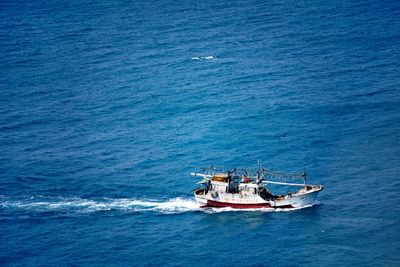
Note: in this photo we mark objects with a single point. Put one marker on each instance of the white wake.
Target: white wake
(40, 204)
(81, 205)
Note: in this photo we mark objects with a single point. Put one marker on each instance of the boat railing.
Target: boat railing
(258, 174)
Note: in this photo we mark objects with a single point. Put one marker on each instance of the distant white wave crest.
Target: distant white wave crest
(204, 58)
(80, 205)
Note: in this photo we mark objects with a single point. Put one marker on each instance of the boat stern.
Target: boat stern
(199, 195)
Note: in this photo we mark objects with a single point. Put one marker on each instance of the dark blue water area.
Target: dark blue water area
(107, 106)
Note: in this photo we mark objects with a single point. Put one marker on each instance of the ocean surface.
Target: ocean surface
(107, 106)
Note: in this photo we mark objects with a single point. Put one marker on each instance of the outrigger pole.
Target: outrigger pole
(206, 176)
(258, 174)
(281, 183)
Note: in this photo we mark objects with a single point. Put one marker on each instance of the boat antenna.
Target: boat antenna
(210, 169)
(259, 170)
(304, 175)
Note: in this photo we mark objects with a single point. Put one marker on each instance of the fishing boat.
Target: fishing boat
(250, 189)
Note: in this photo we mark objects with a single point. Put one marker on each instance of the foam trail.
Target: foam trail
(228, 209)
(80, 205)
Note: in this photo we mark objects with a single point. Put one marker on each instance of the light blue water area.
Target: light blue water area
(107, 106)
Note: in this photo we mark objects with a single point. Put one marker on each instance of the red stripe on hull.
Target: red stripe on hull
(216, 204)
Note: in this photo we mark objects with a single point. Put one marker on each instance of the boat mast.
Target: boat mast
(304, 176)
(259, 172)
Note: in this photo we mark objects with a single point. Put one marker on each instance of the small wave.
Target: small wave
(80, 205)
(204, 58)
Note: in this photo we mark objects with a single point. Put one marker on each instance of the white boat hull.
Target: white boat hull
(300, 199)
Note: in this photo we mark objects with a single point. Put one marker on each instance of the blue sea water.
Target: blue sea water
(107, 106)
